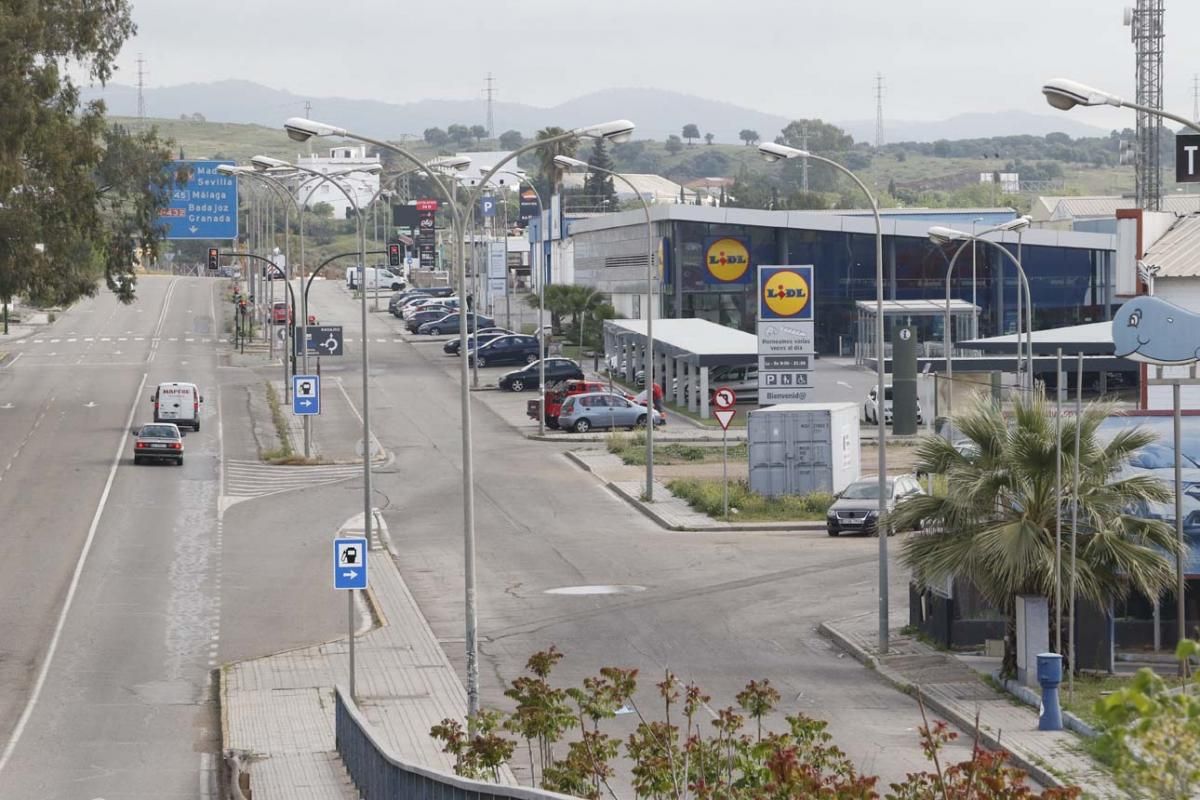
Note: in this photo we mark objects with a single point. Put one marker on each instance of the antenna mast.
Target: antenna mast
(1146, 31)
(804, 161)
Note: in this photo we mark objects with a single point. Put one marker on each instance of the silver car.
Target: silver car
(582, 412)
(856, 509)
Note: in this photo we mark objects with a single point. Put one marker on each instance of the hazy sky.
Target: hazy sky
(789, 57)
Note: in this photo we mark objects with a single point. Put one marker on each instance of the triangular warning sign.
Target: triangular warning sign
(724, 416)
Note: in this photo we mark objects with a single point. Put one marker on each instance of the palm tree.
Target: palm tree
(546, 153)
(995, 523)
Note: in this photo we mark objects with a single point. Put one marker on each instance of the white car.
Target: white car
(871, 406)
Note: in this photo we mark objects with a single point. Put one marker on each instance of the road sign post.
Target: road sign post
(306, 395)
(724, 399)
(349, 573)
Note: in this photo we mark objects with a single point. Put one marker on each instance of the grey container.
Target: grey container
(801, 448)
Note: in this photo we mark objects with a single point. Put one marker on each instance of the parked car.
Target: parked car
(398, 298)
(481, 336)
(525, 378)
(515, 349)
(871, 406)
(556, 393)
(161, 440)
(431, 302)
(413, 323)
(452, 322)
(856, 509)
(439, 291)
(742, 379)
(282, 313)
(583, 412)
(409, 302)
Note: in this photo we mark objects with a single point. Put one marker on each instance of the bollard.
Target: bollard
(1049, 675)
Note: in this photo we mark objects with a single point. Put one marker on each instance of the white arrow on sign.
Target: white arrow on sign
(351, 574)
(193, 229)
(724, 398)
(724, 416)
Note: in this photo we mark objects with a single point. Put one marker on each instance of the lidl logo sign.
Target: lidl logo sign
(785, 293)
(727, 260)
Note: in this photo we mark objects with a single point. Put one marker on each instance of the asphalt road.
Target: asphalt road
(125, 586)
(718, 609)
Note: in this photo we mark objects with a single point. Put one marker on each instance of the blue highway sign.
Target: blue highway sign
(203, 208)
(350, 563)
(323, 340)
(306, 395)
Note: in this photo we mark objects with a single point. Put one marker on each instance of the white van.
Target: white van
(178, 403)
(377, 277)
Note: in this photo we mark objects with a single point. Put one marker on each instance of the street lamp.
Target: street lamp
(541, 333)
(940, 236)
(267, 163)
(301, 129)
(574, 164)
(775, 152)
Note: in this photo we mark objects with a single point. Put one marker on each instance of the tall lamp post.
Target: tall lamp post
(575, 165)
(541, 285)
(939, 236)
(775, 152)
(301, 129)
(1064, 94)
(366, 415)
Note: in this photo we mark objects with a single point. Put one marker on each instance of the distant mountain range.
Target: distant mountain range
(658, 113)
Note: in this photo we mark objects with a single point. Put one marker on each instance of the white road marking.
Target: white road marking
(72, 340)
(162, 317)
(48, 660)
(16, 358)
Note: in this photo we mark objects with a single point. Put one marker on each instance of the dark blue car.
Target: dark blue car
(451, 322)
(516, 349)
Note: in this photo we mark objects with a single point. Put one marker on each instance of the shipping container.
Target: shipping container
(800, 448)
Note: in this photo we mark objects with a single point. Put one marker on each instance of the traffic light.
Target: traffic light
(213, 258)
(393, 255)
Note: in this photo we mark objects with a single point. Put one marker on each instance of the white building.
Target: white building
(361, 185)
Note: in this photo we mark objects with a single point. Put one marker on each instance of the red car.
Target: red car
(559, 392)
(281, 313)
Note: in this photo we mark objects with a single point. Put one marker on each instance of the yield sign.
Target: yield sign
(724, 416)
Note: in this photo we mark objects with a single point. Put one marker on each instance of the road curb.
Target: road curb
(645, 508)
(951, 714)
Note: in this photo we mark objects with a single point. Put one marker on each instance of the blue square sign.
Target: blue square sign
(350, 563)
(306, 395)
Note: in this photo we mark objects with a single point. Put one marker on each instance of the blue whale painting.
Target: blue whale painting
(1152, 330)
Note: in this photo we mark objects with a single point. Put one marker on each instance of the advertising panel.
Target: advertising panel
(726, 260)
(786, 333)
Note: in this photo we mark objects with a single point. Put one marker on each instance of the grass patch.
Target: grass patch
(284, 451)
(632, 451)
(1089, 689)
(705, 496)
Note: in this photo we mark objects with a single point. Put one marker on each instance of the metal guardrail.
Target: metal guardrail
(379, 775)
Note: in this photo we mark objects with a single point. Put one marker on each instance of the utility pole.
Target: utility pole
(878, 110)
(804, 161)
(490, 92)
(1146, 30)
(141, 86)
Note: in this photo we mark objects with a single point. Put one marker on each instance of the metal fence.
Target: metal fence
(379, 775)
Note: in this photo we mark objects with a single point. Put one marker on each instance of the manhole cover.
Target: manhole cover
(597, 589)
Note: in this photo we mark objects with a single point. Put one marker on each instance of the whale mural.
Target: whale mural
(1157, 332)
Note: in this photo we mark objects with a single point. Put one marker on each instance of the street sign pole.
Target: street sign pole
(725, 472)
(350, 573)
(724, 400)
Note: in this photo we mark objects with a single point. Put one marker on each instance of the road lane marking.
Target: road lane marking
(162, 318)
(48, 659)
(15, 359)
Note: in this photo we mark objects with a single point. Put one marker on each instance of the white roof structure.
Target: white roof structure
(1091, 338)
(486, 159)
(1177, 252)
(1054, 208)
(704, 343)
(655, 188)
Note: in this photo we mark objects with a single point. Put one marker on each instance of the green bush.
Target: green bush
(705, 496)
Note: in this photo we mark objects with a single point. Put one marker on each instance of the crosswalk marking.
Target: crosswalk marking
(254, 479)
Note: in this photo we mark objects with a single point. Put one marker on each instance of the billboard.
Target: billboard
(726, 261)
(206, 207)
(786, 331)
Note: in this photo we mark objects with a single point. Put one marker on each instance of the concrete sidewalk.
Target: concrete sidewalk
(954, 691)
(277, 712)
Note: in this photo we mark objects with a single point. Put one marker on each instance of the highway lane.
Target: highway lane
(125, 709)
(719, 609)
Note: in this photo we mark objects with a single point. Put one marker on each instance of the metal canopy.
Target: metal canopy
(1093, 338)
(697, 341)
(964, 319)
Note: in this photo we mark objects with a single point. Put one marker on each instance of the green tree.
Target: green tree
(478, 132)
(511, 140)
(708, 138)
(674, 144)
(995, 524)
(598, 185)
(691, 131)
(822, 137)
(748, 136)
(89, 211)
(460, 134)
(1151, 734)
(436, 137)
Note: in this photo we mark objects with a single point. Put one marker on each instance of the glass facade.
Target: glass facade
(1068, 285)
